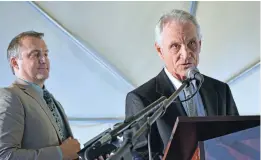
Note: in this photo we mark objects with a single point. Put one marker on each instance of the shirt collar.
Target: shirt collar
(175, 82)
(35, 86)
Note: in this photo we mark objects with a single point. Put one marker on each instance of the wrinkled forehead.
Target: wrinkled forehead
(179, 29)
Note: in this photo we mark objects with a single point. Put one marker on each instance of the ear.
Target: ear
(14, 63)
(199, 46)
(159, 51)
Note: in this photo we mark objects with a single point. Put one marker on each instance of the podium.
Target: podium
(217, 137)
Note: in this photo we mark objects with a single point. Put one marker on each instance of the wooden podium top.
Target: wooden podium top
(188, 131)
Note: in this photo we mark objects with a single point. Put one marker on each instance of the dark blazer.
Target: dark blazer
(216, 96)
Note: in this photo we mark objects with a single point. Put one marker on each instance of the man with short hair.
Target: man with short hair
(178, 43)
(33, 124)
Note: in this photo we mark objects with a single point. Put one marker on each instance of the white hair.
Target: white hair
(174, 15)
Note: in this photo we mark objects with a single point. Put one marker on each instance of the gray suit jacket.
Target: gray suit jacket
(27, 129)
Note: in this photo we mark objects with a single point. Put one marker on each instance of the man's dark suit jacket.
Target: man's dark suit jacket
(216, 96)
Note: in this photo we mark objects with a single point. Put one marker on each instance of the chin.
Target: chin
(42, 77)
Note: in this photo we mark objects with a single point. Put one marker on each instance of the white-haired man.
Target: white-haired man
(178, 43)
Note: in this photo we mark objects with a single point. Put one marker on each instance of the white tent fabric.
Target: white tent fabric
(121, 33)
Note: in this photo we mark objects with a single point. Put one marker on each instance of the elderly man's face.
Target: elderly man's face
(180, 47)
(33, 64)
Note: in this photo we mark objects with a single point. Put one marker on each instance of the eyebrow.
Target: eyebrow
(174, 41)
(37, 50)
(193, 38)
(189, 39)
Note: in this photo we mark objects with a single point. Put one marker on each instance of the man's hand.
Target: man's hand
(103, 158)
(69, 148)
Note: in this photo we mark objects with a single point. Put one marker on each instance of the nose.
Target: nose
(42, 59)
(185, 53)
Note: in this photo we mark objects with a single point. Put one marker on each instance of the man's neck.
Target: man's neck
(175, 81)
(180, 78)
(177, 76)
(40, 84)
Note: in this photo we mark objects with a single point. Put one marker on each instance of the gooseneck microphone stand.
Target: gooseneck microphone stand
(131, 138)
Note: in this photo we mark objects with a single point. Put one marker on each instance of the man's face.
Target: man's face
(180, 47)
(33, 64)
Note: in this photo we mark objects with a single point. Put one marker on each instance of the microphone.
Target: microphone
(193, 73)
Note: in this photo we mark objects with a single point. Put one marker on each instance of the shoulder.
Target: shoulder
(219, 86)
(7, 92)
(145, 93)
(9, 100)
(213, 81)
(145, 89)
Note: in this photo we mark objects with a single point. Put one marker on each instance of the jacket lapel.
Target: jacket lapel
(165, 124)
(165, 88)
(28, 89)
(209, 97)
(207, 92)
